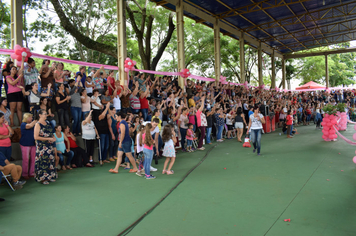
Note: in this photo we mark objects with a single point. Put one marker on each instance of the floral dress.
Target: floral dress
(45, 160)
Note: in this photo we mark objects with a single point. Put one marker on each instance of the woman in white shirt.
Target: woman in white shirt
(255, 128)
(89, 135)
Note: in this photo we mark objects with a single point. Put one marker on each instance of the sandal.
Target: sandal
(132, 171)
(113, 171)
(163, 172)
(111, 159)
(69, 168)
(106, 161)
(52, 180)
(74, 166)
(45, 182)
(123, 165)
(64, 168)
(127, 168)
(171, 172)
(89, 165)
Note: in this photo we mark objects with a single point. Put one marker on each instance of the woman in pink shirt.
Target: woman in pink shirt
(148, 142)
(5, 133)
(14, 93)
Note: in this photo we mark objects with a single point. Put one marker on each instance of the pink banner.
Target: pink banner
(81, 63)
(201, 78)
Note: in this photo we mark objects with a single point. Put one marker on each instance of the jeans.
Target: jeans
(147, 161)
(220, 130)
(308, 117)
(208, 134)
(113, 145)
(189, 143)
(76, 114)
(104, 146)
(183, 133)
(145, 114)
(6, 151)
(202, 136)
(69, 156)
(135, 111)
(256, 139)
(63, 117)
(160, 144)
(53, 123)
(84, 113)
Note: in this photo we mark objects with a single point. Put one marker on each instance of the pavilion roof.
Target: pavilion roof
(284, 25)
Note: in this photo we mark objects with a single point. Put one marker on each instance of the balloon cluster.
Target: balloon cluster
(129, 64)
(20, 52)
(329, 133)
(223, 79)
(185, 73)
(246, 85)
(342, 117)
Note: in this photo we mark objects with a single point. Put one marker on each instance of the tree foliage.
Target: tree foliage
(4, 25)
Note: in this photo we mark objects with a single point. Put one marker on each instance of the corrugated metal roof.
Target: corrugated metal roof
(285, 25)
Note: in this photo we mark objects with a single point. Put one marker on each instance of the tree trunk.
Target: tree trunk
(73, 30)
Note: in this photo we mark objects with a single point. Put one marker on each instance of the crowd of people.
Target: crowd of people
(135, 123)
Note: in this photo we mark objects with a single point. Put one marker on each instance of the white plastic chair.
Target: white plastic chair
(5, 177)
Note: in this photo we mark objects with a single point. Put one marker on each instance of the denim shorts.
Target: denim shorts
(189, 143)
(126, 147)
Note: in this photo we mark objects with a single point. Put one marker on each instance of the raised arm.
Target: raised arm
(103, 114)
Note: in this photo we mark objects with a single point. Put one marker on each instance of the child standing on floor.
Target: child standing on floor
(169, 139)
(148, 151)
(190, 137)
(140, 156)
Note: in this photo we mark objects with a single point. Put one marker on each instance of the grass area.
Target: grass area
(303, 179)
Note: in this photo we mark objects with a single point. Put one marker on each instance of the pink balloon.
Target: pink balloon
(326, 132)
(19, 58)
(18, 52)
(354, 127)
(134, 62)
(127, 70)
(354, 136)
(17, 47)
(29, 54)
(27, 50)
(18, 63)
(354, 159)
(325, 137)
(13, 56)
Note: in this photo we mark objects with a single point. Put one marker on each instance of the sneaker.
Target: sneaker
(153, 169)
(254, 150)
(19, 183)
(150, 177)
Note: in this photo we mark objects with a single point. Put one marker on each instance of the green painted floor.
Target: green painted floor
(299, 179)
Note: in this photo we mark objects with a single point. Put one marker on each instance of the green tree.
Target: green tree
(5, 41)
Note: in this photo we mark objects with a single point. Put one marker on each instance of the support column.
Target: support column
(217, 54)
(260, 76)
(180, 41)
(242, 59)
(284, 73)
(326, 71)
(16, 23)
(121, 40)
(273, 79)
